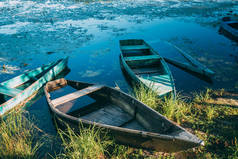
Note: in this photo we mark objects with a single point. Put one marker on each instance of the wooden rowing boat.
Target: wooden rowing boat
(127, 119)
(18, 89)
(187, 66)
(146, 66)
(192, 64)
(229, 27)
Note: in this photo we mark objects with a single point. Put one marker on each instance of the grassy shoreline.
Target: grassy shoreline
(211, 115)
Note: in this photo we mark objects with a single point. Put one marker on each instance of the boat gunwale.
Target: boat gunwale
(25, 74)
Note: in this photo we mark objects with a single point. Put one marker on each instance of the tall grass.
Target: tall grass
(211, 112)
(146, 96)
(90, 143)
(176, 109)
(203, 96)
(16, 137)
(234, 149)
(173, 108)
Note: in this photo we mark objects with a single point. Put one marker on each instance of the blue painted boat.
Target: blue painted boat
(191, 64)
(145, 65)
(16, 91)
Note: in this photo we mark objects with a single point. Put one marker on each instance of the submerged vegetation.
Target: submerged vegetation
(215, 124)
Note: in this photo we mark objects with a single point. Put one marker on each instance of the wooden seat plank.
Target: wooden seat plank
(12, 92)
(75, 95)
(142, 58)
(134, 47)
(151, 70)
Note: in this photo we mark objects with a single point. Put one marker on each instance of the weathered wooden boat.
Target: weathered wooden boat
(146, 66)
(127, 119)
(192, 64)
(229, 27)
(189, 67)
(18, 89)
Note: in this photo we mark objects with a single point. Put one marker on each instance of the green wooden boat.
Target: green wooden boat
(192, 64)
(146, 66)
(15, 91)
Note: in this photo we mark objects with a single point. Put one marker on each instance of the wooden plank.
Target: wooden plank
(88, 108)
(142, 58)
(134, 47)
(161, 84)
(109, 115)
(147, 70)
(75, 95)
(75, 105)
(12, 92)
(135, 125)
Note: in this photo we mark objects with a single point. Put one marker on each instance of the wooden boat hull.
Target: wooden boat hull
(188, 67)
(193, 65)
(49, 72)
(230, 29)
(161, 81)
(160, 143)
(177, 138)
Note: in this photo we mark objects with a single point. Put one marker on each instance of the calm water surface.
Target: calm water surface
(33, 33)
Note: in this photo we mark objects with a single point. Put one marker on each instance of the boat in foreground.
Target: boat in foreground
(15, 91)
(127, 119)
(146, 66)
(229, 27)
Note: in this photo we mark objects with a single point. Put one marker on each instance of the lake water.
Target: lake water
(33, 33)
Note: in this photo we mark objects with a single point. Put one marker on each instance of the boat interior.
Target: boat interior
(142, 67)
(105, 105)
(141, 59)
(233, 25)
